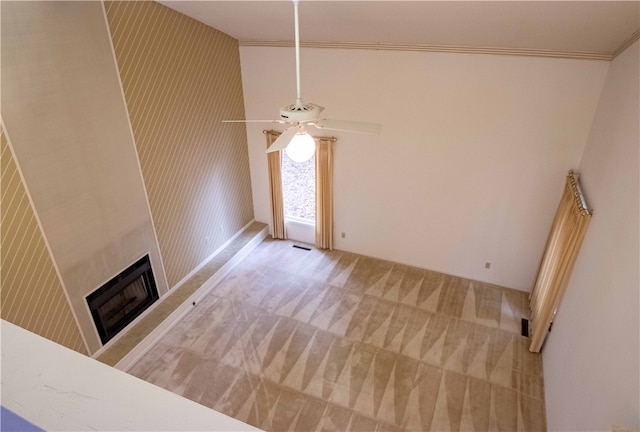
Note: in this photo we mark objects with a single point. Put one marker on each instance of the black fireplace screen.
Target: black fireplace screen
(121, 300)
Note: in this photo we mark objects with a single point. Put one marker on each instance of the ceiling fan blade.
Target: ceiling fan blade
(253, 121)
(350, 126)
(283, 140)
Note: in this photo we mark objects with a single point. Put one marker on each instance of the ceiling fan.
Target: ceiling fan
(300, 115)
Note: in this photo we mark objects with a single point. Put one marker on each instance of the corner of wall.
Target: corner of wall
(591, 361)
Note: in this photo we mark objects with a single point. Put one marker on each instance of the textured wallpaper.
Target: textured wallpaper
(180, 79)
(31, 295)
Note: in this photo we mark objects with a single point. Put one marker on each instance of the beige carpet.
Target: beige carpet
(298, 340)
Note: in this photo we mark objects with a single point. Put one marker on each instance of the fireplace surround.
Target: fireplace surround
(121, 300)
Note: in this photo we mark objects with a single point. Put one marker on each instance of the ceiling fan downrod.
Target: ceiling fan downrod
(300, 115)
(299, 112)
(297, 41)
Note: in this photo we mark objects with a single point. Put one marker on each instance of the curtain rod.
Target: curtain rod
(332, 138)
(577, 193)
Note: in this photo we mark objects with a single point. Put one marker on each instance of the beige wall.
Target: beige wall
(591, 364)
(31, 295)
(472, 150)
(181, 78)
(64, 110)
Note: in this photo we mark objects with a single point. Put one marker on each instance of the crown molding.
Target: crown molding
(582, 55)
(626, 44)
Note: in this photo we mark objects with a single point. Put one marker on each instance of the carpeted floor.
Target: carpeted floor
(296, 340)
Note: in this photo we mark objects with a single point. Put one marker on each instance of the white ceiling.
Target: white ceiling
(591, 26)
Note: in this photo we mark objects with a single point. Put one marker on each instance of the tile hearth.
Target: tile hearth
(134, 335)
(317, 340)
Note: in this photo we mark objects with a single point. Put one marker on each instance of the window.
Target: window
(299, 189)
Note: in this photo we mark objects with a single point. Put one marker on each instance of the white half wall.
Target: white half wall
(591, 361)
(470, 164)
(58, 389)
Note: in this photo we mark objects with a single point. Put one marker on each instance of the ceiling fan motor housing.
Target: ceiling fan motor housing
(300, 113)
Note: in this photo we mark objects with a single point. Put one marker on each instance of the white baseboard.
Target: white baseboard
(156, 334)
(151, 308)
(209, 258)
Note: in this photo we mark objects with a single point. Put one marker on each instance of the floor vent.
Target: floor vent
(302, 247)
(525, 327)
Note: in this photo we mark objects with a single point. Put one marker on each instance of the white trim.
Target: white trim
(300, 230)
(129, 360)
(300, 220)
(93, 327)
(431, 269)
(125, 330)
(210, 257)
(626, 44)
(162, 298)
(581, 55)
(163, 275)
(43, 234)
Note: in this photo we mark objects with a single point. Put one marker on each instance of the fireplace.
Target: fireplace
(121, 300)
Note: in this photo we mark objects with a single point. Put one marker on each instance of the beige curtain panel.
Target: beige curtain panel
(324, 193)
(563, 244)
(275, 186)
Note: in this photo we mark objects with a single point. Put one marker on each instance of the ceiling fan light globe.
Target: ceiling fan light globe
(301, 148)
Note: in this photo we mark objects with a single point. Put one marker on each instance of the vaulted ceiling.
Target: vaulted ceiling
(595, 27)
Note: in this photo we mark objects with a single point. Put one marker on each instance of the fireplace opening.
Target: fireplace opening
(121, 300)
